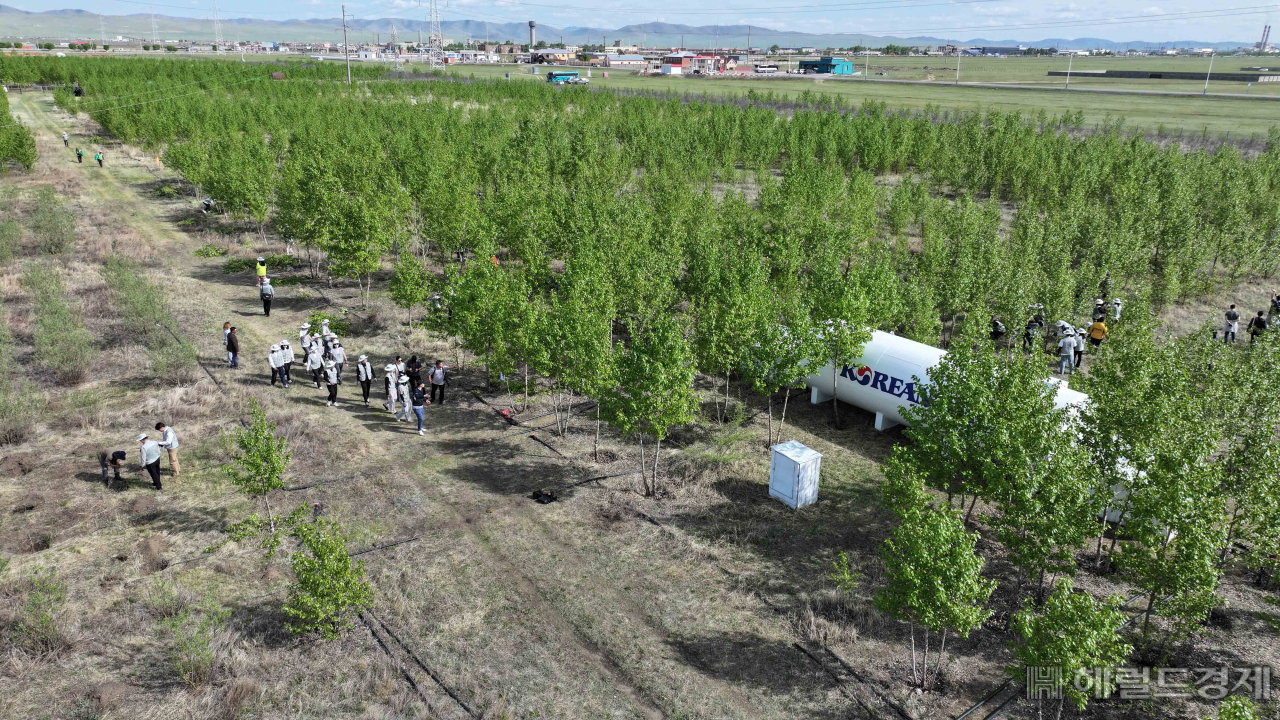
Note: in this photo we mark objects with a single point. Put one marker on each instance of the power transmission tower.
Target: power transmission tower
(217, 30)
(395, 35)
(102, 30)
(437, 37)
(155, 34)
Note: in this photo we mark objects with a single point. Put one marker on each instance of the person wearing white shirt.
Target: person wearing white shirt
(149, 456)
(331, 380)
(338, 356)
(169, 441)
(364, 373)
(275, 362)
(286, 357)
(315, 363)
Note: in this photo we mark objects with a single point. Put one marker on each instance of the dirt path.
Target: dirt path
(565, 624)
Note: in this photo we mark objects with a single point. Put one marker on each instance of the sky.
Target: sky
(1119, 20)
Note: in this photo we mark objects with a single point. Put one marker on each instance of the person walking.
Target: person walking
(331, 380)
(326, 337)
(405, 393)
(1116, 307)
(438, 380)
(315, 363)
(419, 399)
(169, 441)
(66, 141)
(364, 374)
(1099, 309)
(98, 156)
(79, 156)
(1097, 333)
(414, 370)
(274, 362)
(339, 357)
(267, 294)
(261, 270)
(401, 370)
(149, 456)
(1232, 324)
(304, 336)
(1080, 345)
(226, 340)
(1275, 307)
(110, 460)
(286, 362)
(1257, 326)
(233, 348)
(389, 382)
(1031, 334)
(1066, 353)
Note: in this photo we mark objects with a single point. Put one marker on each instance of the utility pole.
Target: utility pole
(748, 41)
(346, 47)
(1069, 59)
(958, 66)
(1206, 76)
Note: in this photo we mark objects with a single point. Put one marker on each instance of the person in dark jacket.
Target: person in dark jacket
(419, 399)
(414, 370)
(233, 348)
(997, 330)
(79, 156)
(110, 460)
(1257, 326)
(267, 293)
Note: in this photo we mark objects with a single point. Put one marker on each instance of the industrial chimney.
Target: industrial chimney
(532, 25)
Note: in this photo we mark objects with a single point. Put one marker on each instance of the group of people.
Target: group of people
(1071, 340)
(1258, 324)
(111, 461)
(66, 142)
(403, 384)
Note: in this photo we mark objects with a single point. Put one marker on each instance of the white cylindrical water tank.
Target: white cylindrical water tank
(883, 379)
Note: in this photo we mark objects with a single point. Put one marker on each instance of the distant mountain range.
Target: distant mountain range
(84, 25)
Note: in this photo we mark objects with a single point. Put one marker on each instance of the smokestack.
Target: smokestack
(532, 25)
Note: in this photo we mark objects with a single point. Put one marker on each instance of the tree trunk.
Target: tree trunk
(644, 479)
(657, 450)
(770, 419)
(915, 677)
(942, 654)
(595, 450)
(1102, 531)
(924, 683)
(526, 387)
(835, 397)
(969, 515)
(782, 423)
(1116, 536)
(1146, 621)
(271, 521)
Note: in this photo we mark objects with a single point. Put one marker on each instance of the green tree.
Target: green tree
(654, 387)
(1237, 708)
(934, 579)
(259, 459)
(330, 585)
(410, 283)
(1074, 633)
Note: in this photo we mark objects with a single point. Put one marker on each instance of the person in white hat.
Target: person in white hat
(1099, 310)
(403, 390)
(304, 337)
(286, 358)
(337, 355)
(364, 373)
(326, 338)
(331, 379)
(389, 382)
(1116, 307)
(149, 456)
(275, 362)
(266, 293)
(315, 363)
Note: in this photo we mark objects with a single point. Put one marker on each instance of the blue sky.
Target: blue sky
(1154, 20)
